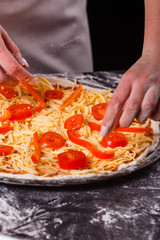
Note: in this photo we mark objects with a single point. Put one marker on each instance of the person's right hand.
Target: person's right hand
(12, 65)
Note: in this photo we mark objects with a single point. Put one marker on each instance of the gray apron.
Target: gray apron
(52, 35)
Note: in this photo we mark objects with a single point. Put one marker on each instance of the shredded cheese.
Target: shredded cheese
(52, 119)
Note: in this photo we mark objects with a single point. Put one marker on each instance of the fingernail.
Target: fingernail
(24, 62)
(104, 131)
(21, 60)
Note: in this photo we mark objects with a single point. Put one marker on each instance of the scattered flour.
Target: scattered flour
(16, 219)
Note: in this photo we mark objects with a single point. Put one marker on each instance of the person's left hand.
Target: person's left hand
(12, 64)
(136, 96)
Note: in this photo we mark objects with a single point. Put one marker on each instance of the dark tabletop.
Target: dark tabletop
(126, 208)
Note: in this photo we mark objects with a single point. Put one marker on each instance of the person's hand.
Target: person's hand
(6, 79)
(136, 96)
(12, 65)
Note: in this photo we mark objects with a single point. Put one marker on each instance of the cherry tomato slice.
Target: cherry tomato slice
(74, 122)
(52, 140)
(54, 94)
(20, 112)
(72, 159)
(5, 128)
(99, 110)
(114, 140)
(5, 150)
(7, 92)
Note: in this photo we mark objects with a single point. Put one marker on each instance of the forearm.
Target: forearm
(152, 26)
(138, 92)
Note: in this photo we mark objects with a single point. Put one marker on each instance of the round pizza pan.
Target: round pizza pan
(101, 80)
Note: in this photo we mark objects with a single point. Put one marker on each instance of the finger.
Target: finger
(149, 103)
(116, 123)
(156, 114)
(11, 65)
(11, 46)
(132, 106)
(6, 79)
(114, 107)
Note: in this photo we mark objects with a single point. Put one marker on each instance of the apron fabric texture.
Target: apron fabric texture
(52, 35)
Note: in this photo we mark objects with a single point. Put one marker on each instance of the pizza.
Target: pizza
(51, 128)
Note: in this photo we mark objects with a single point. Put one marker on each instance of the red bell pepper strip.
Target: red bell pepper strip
(6, 116)
(95, 126)
(133, 129)
(74, 135)
(71, 98)
(5, 128)
(36, 156)
(35, 95)
(5, 150)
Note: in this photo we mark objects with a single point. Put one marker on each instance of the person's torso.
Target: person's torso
(52, 35)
